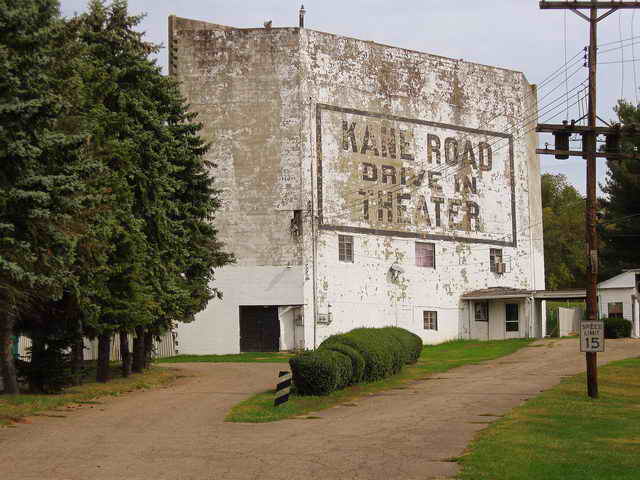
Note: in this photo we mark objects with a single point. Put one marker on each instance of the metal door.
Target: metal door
(259, 329)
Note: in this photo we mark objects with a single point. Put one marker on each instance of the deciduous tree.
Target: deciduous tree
(564, 233)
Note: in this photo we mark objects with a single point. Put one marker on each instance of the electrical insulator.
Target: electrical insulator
(562, 143)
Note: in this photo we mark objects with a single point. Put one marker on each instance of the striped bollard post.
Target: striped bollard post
(283, 388)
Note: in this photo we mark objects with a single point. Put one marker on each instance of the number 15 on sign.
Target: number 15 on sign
(592, 336)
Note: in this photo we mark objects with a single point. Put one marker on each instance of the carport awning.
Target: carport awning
(498, 293)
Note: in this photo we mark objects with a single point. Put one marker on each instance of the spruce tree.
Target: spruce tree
(165, 250)
(41, 186)
(620, 224)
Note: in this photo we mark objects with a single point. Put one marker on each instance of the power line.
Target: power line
(566, 80)
(621, 57)
(617, 61)
(444, 166)
(633, 55)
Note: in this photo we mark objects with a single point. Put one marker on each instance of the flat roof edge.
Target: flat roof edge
(227, 27)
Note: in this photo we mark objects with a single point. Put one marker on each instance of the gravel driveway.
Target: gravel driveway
(178, 433)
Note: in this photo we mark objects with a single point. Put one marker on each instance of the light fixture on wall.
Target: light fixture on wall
(395, 271)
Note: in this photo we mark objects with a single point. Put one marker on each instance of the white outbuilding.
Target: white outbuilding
(619, 297)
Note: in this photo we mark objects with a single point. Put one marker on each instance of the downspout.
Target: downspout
(314, 247)
(532, 320)
(306, 105)
(469, 319)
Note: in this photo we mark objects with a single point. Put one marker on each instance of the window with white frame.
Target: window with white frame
(425, 255)
(495, 257)
(430, 319)
(345, 248)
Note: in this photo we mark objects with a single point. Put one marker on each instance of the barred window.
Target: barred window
(495, 257)
(345, 248)
(430, 319)
(425, 255)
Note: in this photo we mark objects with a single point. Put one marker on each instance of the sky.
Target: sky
(513, 34)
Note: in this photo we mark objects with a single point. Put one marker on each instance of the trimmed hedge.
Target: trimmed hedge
(357, 360)
(363, 354)
(412, 343)
(617, 328)
(320, 372)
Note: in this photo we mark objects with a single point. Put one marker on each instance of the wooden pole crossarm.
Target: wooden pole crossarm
(551, 128)
(577, 153)
(580, 14)
(605, 15)
(587, 5)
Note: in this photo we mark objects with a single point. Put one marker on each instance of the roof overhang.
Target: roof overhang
(537, 294)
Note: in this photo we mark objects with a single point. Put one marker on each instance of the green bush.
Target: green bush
(411, 343)
(344, 369)
(617, 328)
(357, 360)
(48, 371)
(320, 372)
(363, 354)
(376, 352)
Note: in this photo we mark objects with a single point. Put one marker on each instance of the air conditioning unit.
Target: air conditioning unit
(324, 319)
(500, 268)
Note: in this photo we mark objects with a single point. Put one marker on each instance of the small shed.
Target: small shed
(619, 297)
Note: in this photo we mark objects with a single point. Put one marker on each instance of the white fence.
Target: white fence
(569, 321)
(166, 347)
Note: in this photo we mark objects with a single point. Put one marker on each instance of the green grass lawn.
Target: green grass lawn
(434, 359)
(13, 408)
(563, 434)
(250, 357)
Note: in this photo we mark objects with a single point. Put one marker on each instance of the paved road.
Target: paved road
(178, 433)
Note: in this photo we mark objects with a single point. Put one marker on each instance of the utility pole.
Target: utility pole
(589, 136)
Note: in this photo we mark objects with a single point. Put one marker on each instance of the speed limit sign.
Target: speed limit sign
(592, 336)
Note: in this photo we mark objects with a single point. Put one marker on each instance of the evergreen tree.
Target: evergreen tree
(165, 248)
(41, 185)
(620, 224)
(116, 57)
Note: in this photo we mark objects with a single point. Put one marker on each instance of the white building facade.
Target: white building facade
(361, 185)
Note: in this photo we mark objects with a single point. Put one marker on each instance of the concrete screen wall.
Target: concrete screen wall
(403, 147)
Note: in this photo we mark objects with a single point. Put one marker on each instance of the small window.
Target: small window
(616, 310)
(296, 224)
(495, 257)
(425, 255)
(481, 311)
(430, 320)
(513, 323)
(345, 248)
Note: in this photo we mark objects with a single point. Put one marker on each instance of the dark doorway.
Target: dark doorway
(259, 329)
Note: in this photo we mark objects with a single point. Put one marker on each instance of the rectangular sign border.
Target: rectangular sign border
(392, 233)
(602, 349)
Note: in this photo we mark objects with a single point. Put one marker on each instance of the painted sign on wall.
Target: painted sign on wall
(389, 175)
